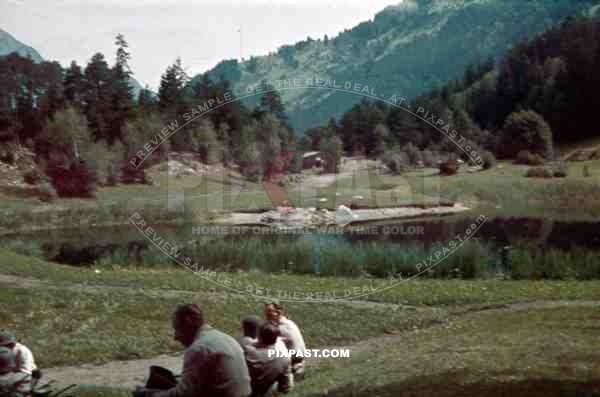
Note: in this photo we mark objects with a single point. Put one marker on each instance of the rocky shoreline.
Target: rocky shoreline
(342, 216)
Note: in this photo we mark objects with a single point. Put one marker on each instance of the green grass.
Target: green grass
(506, 191)
(502, 347)
(73, 326)
(502, 190)
(545, 352)
(414, 292)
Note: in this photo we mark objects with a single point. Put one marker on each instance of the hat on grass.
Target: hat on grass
(7, 337)
(160, 378)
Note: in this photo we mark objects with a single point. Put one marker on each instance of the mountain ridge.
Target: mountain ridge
(9, 44)
(406, 49)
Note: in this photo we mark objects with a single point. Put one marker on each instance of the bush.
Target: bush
(526, 130)
(396, 162)
(429, 158)
(539, 172)
(33, 176)
(8, 155)
(489, 161)
(449, 167)
(586, 171)
(130, 174)
(105, 160)
(560, 170)
(47, 193)
(74, 180)
(412, 152)
(527, 158)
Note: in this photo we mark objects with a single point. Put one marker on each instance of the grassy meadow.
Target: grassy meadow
(502, 190)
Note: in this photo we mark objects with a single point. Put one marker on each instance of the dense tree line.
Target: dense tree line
(543, 91)
(86, 117)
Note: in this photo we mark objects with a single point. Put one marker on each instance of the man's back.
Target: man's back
(267, 369)
(222, 369)
(213, 365)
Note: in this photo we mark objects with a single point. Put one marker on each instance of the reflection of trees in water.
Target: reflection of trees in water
(124, 245)
(527, 232)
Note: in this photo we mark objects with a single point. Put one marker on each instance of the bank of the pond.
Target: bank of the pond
(331, 255)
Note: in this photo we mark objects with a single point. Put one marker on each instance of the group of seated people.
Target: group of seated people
(272, 372)
(216, 364)
(259, 363)
(16, 363)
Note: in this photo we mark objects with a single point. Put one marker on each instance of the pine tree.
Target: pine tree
(97, 98)
(147, 100)
(172, 84)
(75, 86)
(121, 91)
(270, 102)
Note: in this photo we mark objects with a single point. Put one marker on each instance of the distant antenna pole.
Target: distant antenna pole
(240, 30)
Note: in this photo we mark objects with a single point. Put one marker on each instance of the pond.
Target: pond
(236, 248)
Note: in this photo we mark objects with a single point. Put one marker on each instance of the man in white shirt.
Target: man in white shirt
(24, 361)
(290, 333)
(12, 383)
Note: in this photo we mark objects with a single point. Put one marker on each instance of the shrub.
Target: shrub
(396, 162)
(489, 161)
(8, 155)
(560, 170)
(130, 174)
(429, 158)
(412, 152)
(526, 130)
(527, 158)
(74, 180)
(47, 193)
(449, 167)
(539, 172)
(105, 161)
(33, 176)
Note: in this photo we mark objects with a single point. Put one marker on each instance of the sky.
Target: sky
(201, 32)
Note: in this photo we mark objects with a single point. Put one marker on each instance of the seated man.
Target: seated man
(250, 325)
(12, 382)
(269, 371)
(213, 362)
(290, 333)
(24, 362)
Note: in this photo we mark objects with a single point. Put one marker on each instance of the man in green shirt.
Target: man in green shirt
(213, 362)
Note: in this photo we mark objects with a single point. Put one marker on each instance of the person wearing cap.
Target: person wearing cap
(24, 361)
(270, 372)
(12, 382)
(213, 362)
(290, 333)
